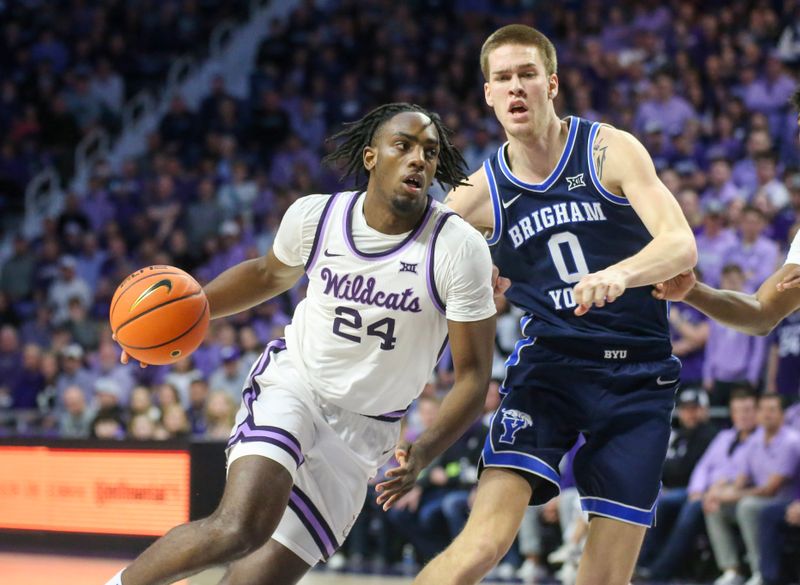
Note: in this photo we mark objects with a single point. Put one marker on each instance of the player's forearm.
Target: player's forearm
(246, 285)
(668, 254)
(731, 308)
(459, 410)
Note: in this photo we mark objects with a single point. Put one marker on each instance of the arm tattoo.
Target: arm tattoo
(600, 156)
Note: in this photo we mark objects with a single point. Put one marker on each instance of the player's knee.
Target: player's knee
(482, 552)
(236, 534)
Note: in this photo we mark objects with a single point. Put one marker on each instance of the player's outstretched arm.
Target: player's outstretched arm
(625, 168)
(471, 344)
(250, 283)
(755, 314)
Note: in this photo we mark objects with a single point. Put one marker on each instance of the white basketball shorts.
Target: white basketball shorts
(331, 453)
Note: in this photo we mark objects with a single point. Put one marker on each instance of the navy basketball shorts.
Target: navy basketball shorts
(622, 409)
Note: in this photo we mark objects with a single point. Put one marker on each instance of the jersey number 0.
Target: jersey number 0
(556, 245)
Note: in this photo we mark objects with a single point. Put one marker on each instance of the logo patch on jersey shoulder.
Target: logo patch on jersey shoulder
(575, 182)
(513, 421)
(406, 267)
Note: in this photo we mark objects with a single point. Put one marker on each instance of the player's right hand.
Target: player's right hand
(500, 284)
(124, 357)
(400, 480)
(791, 280)
(675, 289)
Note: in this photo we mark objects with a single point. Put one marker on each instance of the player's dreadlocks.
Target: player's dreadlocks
(357, 135)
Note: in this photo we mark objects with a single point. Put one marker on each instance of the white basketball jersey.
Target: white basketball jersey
(372, 326)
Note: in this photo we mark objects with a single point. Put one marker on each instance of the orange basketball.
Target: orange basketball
(159, 314)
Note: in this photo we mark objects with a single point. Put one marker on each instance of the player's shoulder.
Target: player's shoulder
(455, 233)
(310, 207)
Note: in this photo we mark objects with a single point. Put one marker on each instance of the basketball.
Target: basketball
(159, 314)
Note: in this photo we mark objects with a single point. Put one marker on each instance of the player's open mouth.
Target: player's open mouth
(517, 108)
(414, 182)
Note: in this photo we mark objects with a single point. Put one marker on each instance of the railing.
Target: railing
(42, 196)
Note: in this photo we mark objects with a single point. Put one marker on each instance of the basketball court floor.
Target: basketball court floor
(29, 569)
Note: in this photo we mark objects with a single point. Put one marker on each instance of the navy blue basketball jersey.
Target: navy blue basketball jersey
(546, 236)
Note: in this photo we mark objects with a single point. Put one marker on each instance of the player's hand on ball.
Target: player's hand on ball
(791, 280)
(400, 480)
(675, 289)
(597, 289)
(124, 357)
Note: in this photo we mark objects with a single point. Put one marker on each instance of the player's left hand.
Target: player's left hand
(597, 289)
(791, 280)
(402, 479)
(676, 288)
(500, 284)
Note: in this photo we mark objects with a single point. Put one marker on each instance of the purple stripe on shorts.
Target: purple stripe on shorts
(429, 272)
(320, 233)
(309, 527)
(275, 434)
(317, 523)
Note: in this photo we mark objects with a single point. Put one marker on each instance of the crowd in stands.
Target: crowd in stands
(704, 87)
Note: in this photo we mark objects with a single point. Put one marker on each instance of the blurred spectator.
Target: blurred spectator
(713, 243)
(731, 357)
(230, 377)
(174, 422)
(166, 396)
(664, 107)
(769, 474)
(68, 286)
(778, 522)
(84, 330)
(106, 364)
(181, 376)
(756, 254)
(141, 404)
(29, 381)
(142, 428)
(198, 402)
(783, 368)
(689, 331)
(220, 414)
(10, 355)
(73, 373)
(76, 419)
(16, 279)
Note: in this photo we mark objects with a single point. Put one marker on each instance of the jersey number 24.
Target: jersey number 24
(350, 318)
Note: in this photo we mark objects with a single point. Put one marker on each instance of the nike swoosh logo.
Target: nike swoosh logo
(150, 290)
(330, 255)
(661, 382)
(507, 204)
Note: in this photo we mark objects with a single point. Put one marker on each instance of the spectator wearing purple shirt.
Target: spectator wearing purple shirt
(776, 522)
(744, 171)
(783, 366)
(721, 187)
(713, 242)
(670, 110)
(689, 331)
(731, 357)
(770, 93)
(756, 254)
(717, 467)
(768, 475)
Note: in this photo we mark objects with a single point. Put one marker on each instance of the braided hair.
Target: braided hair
(452, 169)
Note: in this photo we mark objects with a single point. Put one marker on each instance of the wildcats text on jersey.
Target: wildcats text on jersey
(362, 290)
(554, 215)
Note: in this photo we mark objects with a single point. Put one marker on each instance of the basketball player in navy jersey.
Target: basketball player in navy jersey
(579, 222)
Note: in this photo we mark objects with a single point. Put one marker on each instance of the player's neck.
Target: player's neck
(533, 157)
(381, 217)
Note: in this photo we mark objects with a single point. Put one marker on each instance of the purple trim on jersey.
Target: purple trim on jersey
(351, 244)
(429, 275)
(313, 521)
(389, 416)
(441, 349)
(319, 234)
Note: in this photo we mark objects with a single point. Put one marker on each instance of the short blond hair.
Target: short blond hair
(519, 34)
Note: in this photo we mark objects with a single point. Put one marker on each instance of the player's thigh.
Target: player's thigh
(610, 554)
(272, 564)
(255, 497)
(502, 498)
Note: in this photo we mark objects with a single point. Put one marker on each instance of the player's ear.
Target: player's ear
(552, 90)
(369, 157)
(487, 95)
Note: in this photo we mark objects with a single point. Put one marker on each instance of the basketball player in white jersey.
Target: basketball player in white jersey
(392, 274)
(754, 314)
